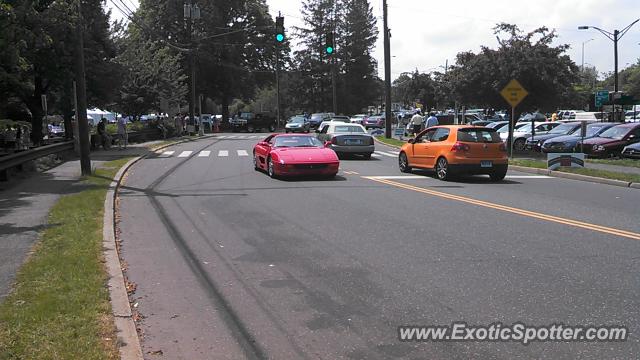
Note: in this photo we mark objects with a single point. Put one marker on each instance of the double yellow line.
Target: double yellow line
(531, 214)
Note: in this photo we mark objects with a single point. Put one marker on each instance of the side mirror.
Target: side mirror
(411, 141)
(327, 143)
(263, 143)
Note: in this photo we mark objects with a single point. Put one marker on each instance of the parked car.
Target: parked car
(348, 139)
(294, 154)
(251, 122)
(482, 122)
(524, 130)
(631, 151)
(374, 121)
(536, 142)
(590, 116)
(571, 143)
(456, 149)
(55, 131)
(536, 116)
(297, 123)
(613, 140)
(317, 118)
(497, 124)
(632, 116)
(357, 119)
(341, 118)
(569, 114)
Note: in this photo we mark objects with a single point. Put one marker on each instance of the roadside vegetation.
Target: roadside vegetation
(617, 162)
(392, 142)
(541, 164)
(59, 307)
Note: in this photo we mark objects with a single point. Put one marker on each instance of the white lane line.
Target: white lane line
(385, 153)
(529, 177)
(204, 153)
(185, 154)
(243, 153)
(222, 137)
(223, 153)
(232, 136)
(396, 153)
(167, 153)
(376, 155)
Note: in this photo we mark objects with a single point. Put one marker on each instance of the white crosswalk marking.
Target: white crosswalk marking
(167, 153)
(185, 154)
(233, 136)
(204, 153)
(385, 154)
(243, 153)
(396, 153)
(376, 155)
(222, 137)
(223, 153)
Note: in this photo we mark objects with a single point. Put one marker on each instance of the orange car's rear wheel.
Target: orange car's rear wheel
(442, 169)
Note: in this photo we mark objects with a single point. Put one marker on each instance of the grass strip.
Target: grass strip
(59, 308)
(391, 141)
(617, 162)
(605, 174)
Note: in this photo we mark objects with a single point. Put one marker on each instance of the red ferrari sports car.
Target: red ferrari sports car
(294, 154)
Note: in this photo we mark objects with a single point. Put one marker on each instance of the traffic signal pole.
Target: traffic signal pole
(387, 72)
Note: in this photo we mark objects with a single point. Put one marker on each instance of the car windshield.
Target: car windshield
(478, 135)
(316, 116)
(297, 141)
(297, 120)
(616, 132)
(563, 129)
(348, 129)
(593, 130)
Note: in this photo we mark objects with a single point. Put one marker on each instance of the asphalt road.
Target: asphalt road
(232, 264)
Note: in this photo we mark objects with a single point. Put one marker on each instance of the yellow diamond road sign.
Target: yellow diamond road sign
(514, 93)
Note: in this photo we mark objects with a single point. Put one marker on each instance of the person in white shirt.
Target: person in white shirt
(416, 121)
(123, 137)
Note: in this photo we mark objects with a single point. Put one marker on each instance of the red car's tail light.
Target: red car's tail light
(458, 146)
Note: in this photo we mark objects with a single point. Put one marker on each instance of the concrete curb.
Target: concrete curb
(129, 343)
(572, 176)
(128, 340)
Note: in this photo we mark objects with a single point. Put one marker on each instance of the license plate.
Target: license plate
(353, 142)
(486, 164)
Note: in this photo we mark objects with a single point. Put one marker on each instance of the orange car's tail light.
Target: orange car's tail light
(458, 146)
(502, 147)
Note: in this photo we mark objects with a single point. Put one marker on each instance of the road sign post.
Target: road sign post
(513, 93)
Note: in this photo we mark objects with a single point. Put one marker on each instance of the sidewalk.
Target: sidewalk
(25, 203)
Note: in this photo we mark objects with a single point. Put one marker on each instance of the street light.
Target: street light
(584, 42)
(615, 36)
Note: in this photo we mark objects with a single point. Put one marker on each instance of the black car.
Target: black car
(251, 122)
(631, 151)
(535, 143)
(571, 143)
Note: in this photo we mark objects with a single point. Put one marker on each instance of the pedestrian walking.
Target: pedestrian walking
(432, 120)
(416, 121)
(105, 140)
(123, 136)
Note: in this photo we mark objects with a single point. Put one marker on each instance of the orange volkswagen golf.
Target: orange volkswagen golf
(456, 150)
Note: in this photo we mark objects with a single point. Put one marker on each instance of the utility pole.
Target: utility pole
(191, 13)
(277, 88)
(333, 83)
(81, 108)
(387, 72)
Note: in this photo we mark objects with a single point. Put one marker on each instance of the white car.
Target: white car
(523, 130)
(332, 121)
(358, 118)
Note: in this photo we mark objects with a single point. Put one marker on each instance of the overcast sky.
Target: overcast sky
(425, 34)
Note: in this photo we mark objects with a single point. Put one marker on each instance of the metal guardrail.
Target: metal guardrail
(19, 158)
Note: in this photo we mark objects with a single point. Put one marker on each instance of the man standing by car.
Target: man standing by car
(432, 120)
(416, 121)
(102, 133)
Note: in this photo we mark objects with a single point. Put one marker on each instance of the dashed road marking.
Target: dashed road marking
(185, 154)
(243, 153)
(223, 153)
(204, 153)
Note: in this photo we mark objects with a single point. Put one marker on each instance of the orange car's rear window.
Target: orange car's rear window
(478, 135)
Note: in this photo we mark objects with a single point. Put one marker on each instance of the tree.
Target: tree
(545, 71)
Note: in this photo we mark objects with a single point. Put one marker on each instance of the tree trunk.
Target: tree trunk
(35, 106)
(225, 108)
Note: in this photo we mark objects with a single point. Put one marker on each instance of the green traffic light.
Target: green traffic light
(329, 50)
(280, 37)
